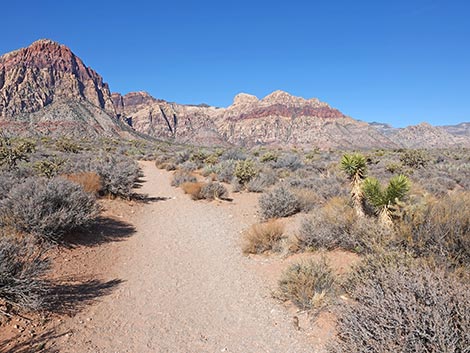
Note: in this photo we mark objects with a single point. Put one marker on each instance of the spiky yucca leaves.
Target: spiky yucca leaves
(384, 199)
(354, 165)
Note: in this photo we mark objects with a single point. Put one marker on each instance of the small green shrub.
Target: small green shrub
(245, 170)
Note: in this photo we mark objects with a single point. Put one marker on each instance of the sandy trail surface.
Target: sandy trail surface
(186, 286)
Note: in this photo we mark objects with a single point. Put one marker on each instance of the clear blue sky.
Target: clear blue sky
(401, 61)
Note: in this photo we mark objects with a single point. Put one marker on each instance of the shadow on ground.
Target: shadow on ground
(105, 230)
(37, 343)
(67, 296)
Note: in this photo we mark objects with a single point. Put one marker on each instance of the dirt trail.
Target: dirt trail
(187, 288)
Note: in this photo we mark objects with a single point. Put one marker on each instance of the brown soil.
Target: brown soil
(178, 283)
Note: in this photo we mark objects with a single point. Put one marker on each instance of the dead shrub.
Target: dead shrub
(263, 237)
(400, 305)
(193, 189)
(309, 285)
(89, 181)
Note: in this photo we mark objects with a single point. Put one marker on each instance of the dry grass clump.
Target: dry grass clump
(279, 202)
(181, 177)
(89, 181)
(193, 189)
(22, 268)
(400, 305)
(263, 237)
(309, 285)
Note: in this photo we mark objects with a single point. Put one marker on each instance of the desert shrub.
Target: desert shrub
(279, 202)
(236, 186)
(118, 174)
(213, 190)
(225, 170)
(14, 151)
(336, 225)
(307, 199)
(7, 181)
(439, 229)
(170, 166)
(161, 161)
(269, 156)
(188, 166)
(48, 167)
(181, 157)
(47, 208)
(89, 181)
(309, 285)
(245, 170)
(68, 146)
(261, 182)
(403, 306)
(288, 161)
(414, 158)
(234, 155)
(181, 177)
(193, 189)
(325, 186)
(439, 186)
(22, 269)
(263, 237)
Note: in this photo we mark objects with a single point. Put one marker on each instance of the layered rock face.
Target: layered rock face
(425, 135)
(45, 87)
(278, 119)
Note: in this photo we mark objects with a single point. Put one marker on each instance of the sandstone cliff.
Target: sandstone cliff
(45, 88)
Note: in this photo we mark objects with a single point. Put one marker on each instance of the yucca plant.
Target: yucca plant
(354, 165)
(384, 199)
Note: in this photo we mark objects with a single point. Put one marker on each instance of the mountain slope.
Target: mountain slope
(278, 119)
(45, 88)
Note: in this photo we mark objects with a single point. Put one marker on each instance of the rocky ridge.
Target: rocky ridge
(45, 88)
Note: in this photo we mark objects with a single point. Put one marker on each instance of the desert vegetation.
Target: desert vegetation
(404, 212)
(50, 188)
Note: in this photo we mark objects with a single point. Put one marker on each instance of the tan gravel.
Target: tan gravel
(186, 286)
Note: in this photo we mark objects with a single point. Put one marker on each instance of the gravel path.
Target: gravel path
(187, 287)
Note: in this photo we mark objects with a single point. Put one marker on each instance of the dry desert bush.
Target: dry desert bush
(22, 270)
(263, 237)
(47, 208)
(400, 305)
(181, 177)
(279, 202)
(310, 285)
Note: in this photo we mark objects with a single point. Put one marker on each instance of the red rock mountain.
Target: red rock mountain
(278, 119)
(45, 88)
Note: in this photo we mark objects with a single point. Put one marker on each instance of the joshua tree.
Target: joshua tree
(354, 165)
(384, 200)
